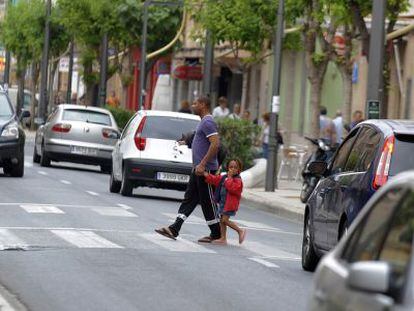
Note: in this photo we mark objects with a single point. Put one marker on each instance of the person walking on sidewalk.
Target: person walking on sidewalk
(204, 148)
(228, 192)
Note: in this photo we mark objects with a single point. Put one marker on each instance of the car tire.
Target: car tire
(309, 257)
(36, 157)
(114, 185)
(44, 159)
(126, 185)
(17, 170)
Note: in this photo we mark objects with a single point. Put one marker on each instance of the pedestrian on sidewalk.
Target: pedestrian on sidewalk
(235, 115)
(228, 192)
(221, 111)
(204, 148)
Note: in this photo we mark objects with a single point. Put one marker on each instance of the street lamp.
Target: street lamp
(271, 169)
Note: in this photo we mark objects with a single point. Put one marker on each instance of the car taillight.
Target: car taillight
(109, 133)
(381, 175)
(61, 128)
(140, 141)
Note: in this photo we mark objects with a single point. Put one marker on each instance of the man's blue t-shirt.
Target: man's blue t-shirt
(206, 128)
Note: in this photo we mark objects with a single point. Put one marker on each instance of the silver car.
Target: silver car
(372, 268)
(79, 134)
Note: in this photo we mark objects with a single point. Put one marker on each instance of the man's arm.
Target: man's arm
(211, 153)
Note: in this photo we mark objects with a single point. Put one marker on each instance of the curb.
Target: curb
(276, 207)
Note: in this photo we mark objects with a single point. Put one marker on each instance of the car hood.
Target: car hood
(4, 121)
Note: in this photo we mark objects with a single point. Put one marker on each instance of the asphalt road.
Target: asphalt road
(67, 243)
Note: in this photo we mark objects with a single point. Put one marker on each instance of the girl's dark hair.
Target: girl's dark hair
(238, 161)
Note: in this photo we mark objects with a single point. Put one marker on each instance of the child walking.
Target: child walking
(227, 195)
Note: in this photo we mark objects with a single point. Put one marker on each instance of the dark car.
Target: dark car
(12, 138)
(373, 151)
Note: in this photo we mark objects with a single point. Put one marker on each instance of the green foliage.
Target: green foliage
(121, 115)
(238, 137)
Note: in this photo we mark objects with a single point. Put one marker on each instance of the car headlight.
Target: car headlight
(11, 131)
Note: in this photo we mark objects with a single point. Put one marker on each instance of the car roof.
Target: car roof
(83, 107)
(171, 114)
(392, 126)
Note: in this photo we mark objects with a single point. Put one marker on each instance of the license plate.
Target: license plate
(83, 150)
(180, 178)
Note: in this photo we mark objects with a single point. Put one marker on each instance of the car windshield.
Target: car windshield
(6, 111)
(403, 156)
(169, 128)
(87, 116)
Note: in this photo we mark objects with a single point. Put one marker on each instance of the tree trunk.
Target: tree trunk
(33, 89)
(315, 100)
(290, 96)
(245, 89)
(21, 73)
(347, 95)
(90, 86)
(51, 101)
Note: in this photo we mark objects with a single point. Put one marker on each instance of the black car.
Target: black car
(12, 138)
(373, 152)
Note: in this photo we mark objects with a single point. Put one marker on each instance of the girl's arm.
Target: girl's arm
(212, 179)
(233, 185)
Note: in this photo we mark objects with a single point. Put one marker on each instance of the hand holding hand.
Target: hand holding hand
(199, 170)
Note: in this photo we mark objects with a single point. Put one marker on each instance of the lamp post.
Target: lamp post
(104, 70)
(271, 169)
(208, 64)
(70, 73)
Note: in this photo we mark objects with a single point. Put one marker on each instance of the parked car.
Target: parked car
(79, 134)
(372, 152)
(12, 138)
(372, 268)
(147, 154)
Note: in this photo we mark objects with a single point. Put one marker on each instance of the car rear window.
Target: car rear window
(87, 116)
(403, 156)
(6, 111)
(169, 128)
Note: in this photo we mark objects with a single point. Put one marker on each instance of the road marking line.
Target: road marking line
(264, 262)
(42, 173)
(252, 224)
(28, 164)
(32, 208)
(191, 219)
(180, 245)
(85, 239)
(117, 212)
(264, 251)
(92, 193)
(66, 182)
(124, 206)
(8, 239)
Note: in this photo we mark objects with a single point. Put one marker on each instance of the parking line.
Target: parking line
(93, 193)
(264, 262)
(66, 182)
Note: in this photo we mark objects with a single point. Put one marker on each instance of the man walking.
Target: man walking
(204, 147)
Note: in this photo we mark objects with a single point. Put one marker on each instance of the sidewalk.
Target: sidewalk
(284, 201)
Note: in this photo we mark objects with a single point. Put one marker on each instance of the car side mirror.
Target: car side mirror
(318, 168)
(370, 276)
(24, 114)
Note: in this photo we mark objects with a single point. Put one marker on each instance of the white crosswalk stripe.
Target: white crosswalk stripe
(8, 239)
(180, 245)
(41, 209)
(115, 212)
(265, 250)
(85, 239)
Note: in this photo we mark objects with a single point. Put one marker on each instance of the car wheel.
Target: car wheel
(44, 159)
(309, 258)
(126, 185)
(36, 157)
(17, 170)
(114, 185)
(106, 169)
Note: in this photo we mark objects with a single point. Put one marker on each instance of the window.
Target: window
(403, 156)
(364, 150)
(128, 126)
(366, 242)
(6, 111)
(338, 165)
(87, 116)
(170, 128)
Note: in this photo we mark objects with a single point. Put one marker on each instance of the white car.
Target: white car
(148, 154)
(372, 268)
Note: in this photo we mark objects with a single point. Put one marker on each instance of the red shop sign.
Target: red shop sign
(188, 72)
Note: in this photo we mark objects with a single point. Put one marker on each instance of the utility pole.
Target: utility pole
(271, 169)
(70, 73)
(6, 76)
(142, 73)
(44, 67)
(104, 69)
(375, 93)
(208, 64)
